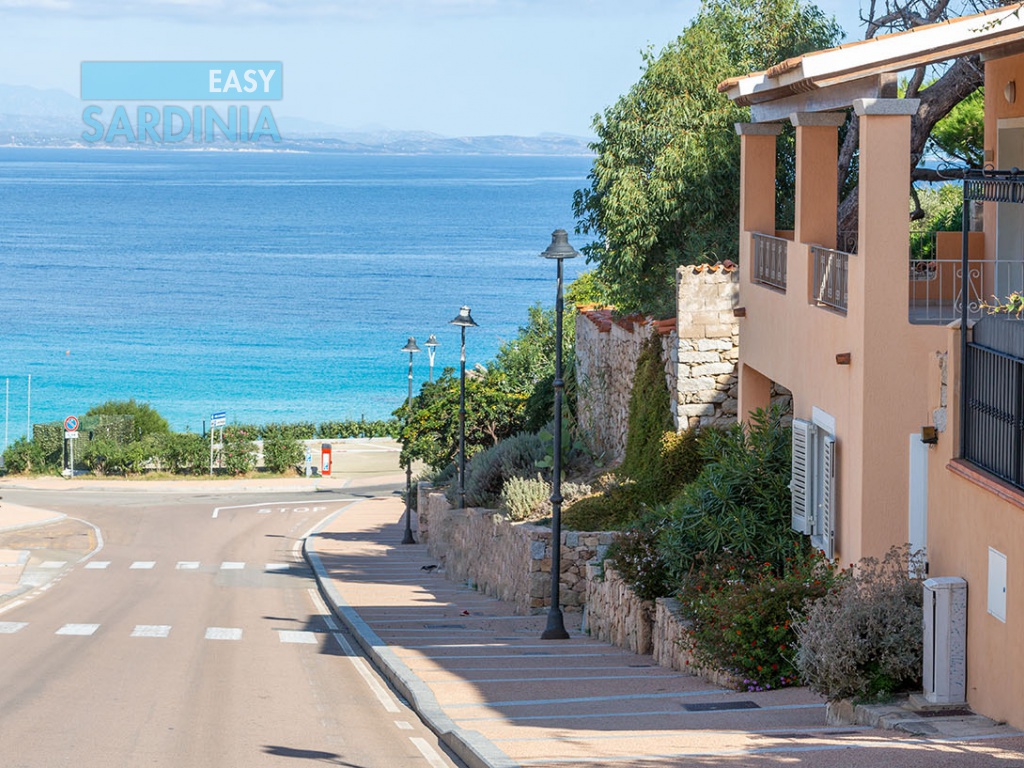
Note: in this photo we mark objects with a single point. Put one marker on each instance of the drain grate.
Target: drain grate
(943, 713)
(721, 706)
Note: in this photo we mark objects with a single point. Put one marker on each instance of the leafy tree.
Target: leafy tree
(145, 418)
(664, 187)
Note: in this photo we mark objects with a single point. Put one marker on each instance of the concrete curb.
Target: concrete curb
(35, 523)
(470, 746)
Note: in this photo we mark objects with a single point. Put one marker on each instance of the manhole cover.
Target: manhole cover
(720, 706)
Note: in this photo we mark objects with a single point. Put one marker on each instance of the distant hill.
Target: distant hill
(34, 117)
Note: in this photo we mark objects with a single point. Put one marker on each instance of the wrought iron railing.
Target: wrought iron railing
(831, 273)
(993, 413)
(770, 260)
(939, 290)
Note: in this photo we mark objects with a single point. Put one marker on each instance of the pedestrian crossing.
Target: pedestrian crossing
(182, 565)
(164, 631)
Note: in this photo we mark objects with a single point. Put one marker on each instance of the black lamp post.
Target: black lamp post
(559, 250)
(431, 345)
(464, 320)
(411, 348)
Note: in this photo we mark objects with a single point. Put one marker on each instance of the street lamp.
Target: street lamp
(410, 348)
(559, 250)
(431, 345)
(464, 320)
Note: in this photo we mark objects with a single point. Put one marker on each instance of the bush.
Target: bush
(187, 453)
(609, 510)
(743, 612)
(488, 471)
(24, 456)
(650, 413)
(239, 451)
(282, 453)
(635, 556)
(864, 639)
(525, 497)
(145, 420)
(740, 501)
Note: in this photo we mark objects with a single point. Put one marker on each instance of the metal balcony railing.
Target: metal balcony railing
(831, 272)
(770, 260)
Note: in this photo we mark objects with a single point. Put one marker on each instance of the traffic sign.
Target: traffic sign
(219, 419)
(70, 435)
(71, 424)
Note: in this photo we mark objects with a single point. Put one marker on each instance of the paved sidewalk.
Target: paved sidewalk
(499, 696)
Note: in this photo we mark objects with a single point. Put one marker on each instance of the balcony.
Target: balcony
(938, 288)
(770, 260)
(831, 277)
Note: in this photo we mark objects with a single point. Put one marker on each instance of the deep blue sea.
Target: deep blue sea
(273, 286)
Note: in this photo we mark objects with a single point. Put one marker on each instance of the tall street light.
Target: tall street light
(559, 250)
(431, 345)
(464, 320)
(410, 348)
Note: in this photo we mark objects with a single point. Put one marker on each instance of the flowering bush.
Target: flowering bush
(239, 451)
(743, 612)
(635, 556)
(864, 640)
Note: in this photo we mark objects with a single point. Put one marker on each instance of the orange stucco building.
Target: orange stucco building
(896, 438)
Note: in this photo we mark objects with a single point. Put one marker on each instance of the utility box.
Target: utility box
(945, 640)
(325, 459)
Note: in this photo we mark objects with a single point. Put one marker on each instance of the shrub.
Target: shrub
(864, 639)
(145, 419)
(24, 456)
(609, 510)
(281, 453)
(739, 502)
(650, 413)
(635, 556)
(239, 451)
(187, 453)
(525, 497)
(743, 611)
(488, 471)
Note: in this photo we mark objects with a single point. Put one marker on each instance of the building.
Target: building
(903, 431)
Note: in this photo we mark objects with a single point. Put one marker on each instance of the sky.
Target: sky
(453, 67)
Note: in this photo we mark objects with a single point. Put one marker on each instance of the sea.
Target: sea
(271, 286)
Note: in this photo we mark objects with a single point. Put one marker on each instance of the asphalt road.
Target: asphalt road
(192, 636)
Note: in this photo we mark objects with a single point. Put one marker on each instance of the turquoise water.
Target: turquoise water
(273, 286)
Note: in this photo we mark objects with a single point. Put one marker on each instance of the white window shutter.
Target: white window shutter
(801, 490)
(825, 537)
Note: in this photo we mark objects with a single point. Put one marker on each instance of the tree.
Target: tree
(145, 419)
(664, 188)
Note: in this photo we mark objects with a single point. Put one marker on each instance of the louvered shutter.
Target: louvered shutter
(825, 538)
(800, 485)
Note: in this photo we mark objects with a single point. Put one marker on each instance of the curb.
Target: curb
(470, 746)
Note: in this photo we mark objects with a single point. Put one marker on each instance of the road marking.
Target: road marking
(187, 565)
(82, 630)
(9, 606)
(297, 636)
(364, 672)
(151, 630)
(97, 565)
(53, 564)
(403, 725)
(277, 566)
(231, 566)
(266, 509)
(428, 752)
(223, 633)
(142, 565)
(10, 627)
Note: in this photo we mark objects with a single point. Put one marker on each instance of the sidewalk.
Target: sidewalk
(499, 696)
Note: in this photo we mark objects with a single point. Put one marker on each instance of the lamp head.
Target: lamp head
(560, 248)
(464, 319)
(411, 346)
(431, 342)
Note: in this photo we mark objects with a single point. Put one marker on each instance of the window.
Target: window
(813, 484)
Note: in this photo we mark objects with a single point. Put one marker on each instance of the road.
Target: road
(193, 635)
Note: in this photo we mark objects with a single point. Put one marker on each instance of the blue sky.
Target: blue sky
(455, 67)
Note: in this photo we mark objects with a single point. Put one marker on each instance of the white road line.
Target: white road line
(428, 752)
(97, 565)
(83, 630)
(53, 564)
(231, 566)
(297, 636)
(276, 567)
(364, 672)
(142, 565)
(321, 608)
(9, 606)
(403, 725)
(151, 630)
(10, 627)
(223, 633)
(187, 565)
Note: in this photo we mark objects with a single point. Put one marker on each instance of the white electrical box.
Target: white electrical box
(945, 640)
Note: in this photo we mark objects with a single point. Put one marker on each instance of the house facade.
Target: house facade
(904, 430)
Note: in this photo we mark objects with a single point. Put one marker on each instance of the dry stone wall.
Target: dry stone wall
(615, 614)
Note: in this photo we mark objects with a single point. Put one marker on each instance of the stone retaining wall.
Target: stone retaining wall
(510, 561)
(615, 614)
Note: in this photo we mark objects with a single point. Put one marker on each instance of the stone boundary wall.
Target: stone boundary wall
(507, 560)
(615, 614)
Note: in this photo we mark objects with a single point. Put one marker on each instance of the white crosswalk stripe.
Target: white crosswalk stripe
(151, 630)
(223, 633)
(142, 565)
(290, 636)
(276, 567)
(297, 636)
(53, 564)
(187, 565)
(231, 566)
(83, 630)
(97, 565)
(10, 627)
